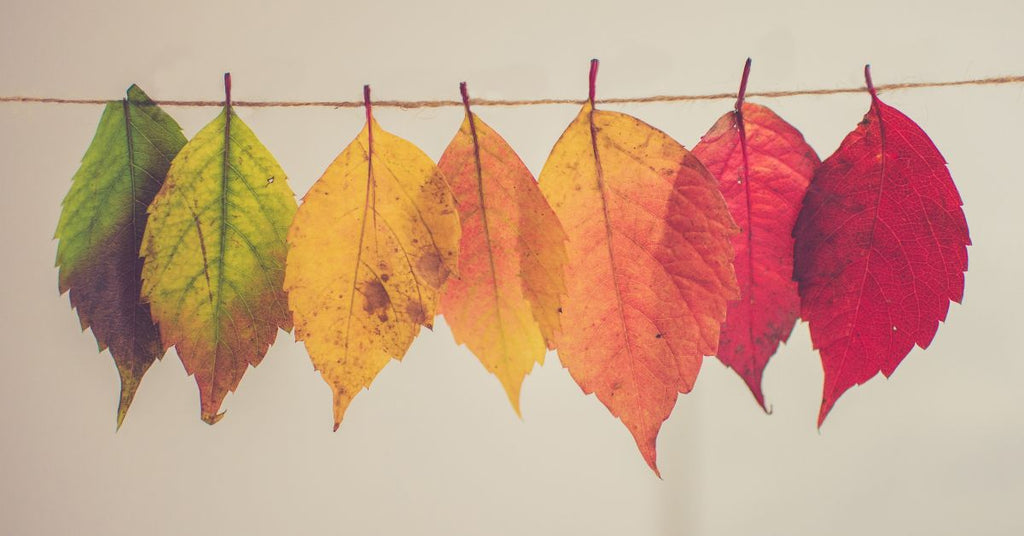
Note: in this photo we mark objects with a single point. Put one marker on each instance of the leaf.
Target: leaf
(504, 304)
(373, 242)
(101, 227)
(650, 264)
(881, 249)
(214, 255)
(763, 166)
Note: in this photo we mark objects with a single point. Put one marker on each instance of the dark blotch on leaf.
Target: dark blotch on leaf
(376, 296)
(432, 269)
(416, 312)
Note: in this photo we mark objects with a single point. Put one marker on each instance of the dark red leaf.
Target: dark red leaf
(881, 249)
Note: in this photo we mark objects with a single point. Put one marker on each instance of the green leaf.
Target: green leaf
(101, 227)
(214, 256)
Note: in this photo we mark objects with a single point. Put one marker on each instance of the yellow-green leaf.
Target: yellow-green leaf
(214, 255)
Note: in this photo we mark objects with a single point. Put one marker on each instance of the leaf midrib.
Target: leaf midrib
(751, 281)
(226, 153)
(875, 105)
(135, 281)
(487, 236)
(599, 176)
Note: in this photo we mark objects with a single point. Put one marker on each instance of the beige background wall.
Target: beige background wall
(433, 447)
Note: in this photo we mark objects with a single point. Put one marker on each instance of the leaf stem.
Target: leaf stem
(743, 86)
(366, 103)
(867, 79)
(465, 96)
(227, 90)
(593, 79)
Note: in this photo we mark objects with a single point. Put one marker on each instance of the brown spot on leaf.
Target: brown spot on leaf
(432, 269)
(375, 296)
(416, 312)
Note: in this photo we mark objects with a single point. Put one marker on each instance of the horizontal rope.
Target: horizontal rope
(409, 105)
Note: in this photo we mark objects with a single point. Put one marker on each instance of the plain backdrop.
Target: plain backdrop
(433, 447)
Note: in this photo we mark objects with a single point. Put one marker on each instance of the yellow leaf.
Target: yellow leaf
(373, 242)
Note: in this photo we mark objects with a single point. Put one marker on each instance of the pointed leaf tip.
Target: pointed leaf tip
(213, 419)
(129, 386)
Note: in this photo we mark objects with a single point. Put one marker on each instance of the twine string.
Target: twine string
(415, 104)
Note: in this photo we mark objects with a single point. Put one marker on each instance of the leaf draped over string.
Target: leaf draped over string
(101, 227)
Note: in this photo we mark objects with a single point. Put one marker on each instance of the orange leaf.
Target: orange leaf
(650, 255)
(373, 242)
(504, 305)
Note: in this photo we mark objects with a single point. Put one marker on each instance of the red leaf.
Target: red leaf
(881, 249)
(763, 166)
